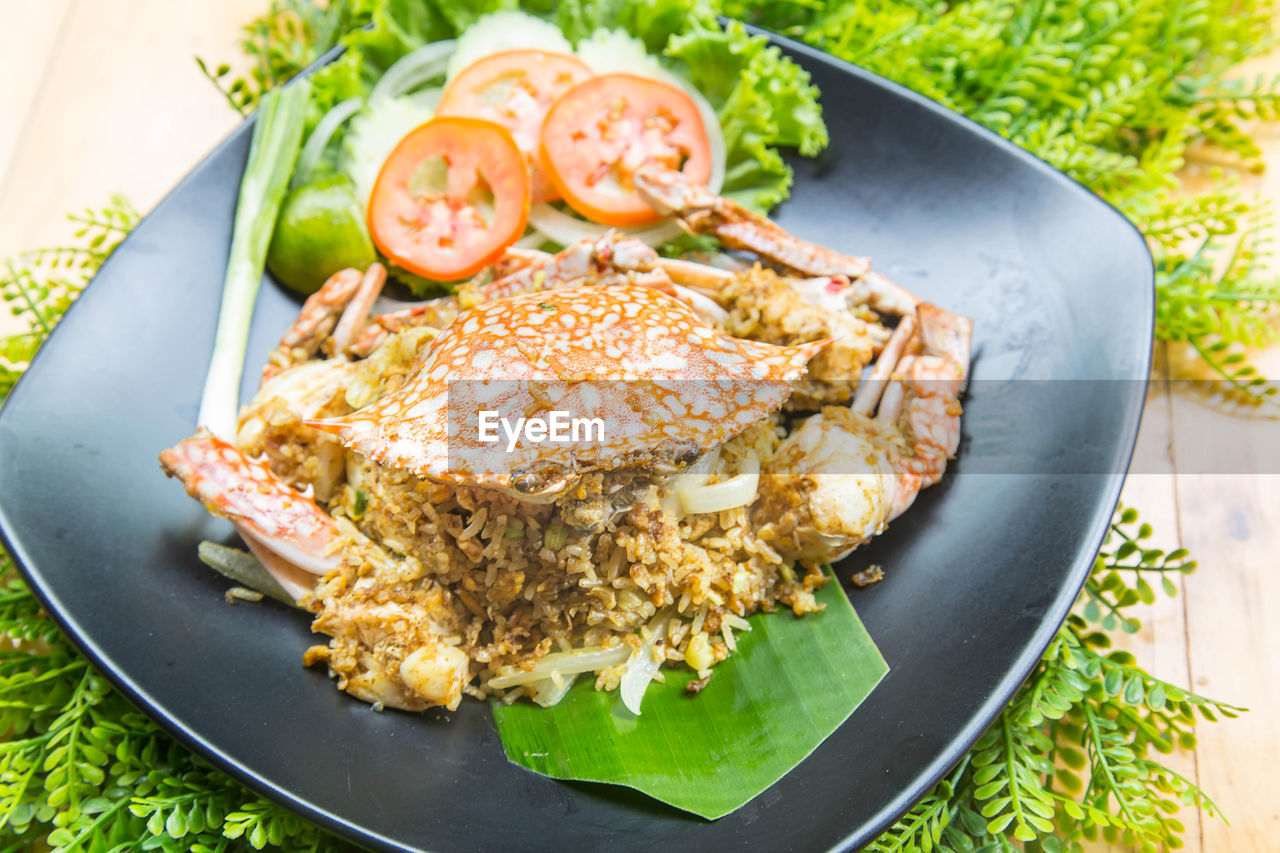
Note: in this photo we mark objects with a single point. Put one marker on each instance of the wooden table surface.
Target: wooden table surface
(103, 97)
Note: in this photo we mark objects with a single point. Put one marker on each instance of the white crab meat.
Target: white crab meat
(830, 488)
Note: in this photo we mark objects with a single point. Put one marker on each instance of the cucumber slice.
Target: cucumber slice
(375, 131)
(505, 31)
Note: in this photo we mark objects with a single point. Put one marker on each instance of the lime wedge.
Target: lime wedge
(321, 229)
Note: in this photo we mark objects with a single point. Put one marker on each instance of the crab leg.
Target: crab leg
(634, 266)
(734, 226)
(759, 304)
(828, 292)
(315, 322)
(610, 260)
(298, 543)
(871, 388)
(438, 312)
(516, 258)
(928, 403)
(357, 311)
(285, 529)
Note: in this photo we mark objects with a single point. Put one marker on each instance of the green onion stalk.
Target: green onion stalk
(277, 138)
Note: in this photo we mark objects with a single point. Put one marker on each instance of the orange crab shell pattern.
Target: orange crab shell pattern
(246, 491)
(655, 373)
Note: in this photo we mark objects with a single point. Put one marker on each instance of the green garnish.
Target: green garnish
(359, 505)
(321, 230)
(555, 537)
(1115, 95)
(277, 137)
(243, 568)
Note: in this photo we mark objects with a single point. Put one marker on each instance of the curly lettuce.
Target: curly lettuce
(764, 102)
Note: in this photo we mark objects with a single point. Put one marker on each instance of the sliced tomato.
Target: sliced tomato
(515, 89)
(452, 195)
(601, 131)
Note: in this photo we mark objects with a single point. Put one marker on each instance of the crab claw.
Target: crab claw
(829, 489)
(928, 397)
(315, 322)
(284, 528)
(357, 311)
(297, 542)
(846, 473)
(946, 335)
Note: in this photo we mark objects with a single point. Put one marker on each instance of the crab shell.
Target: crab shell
(665, 385)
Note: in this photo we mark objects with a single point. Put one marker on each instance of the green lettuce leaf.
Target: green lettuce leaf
(333, 84)
(764, 100)
(654, 22)
(399, 26)
(791, 683)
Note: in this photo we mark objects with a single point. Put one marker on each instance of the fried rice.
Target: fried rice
(511, 581)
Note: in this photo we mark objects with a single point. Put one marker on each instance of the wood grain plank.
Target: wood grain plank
(1228, 465)
(1161, 645)
(27, 46)
(1234, 646)
(1229, 501)
(123, 107)
(1151, 488)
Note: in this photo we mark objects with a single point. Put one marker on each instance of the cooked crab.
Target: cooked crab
(819, 293)
(668, 386)
(672, 386)
(313, 557)
(610, 260)
(361, 481)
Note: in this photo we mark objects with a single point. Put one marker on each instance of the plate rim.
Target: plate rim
(908, 793)
(1055, 615)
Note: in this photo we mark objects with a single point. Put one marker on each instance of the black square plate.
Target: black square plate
(979, 573)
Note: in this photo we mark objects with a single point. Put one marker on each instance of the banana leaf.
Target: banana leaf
(791, 683)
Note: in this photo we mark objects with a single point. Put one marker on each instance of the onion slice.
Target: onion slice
(642, 666)
(318, 141)
(412, 70)
(547, 693)
(693, 476)
(588, 659)
(699, 472)
(734, 492)
(566, 229)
